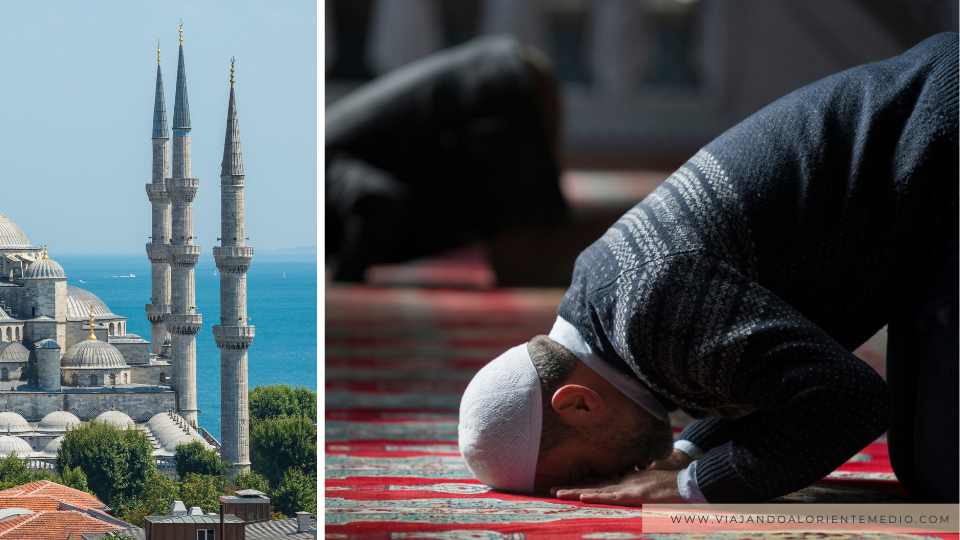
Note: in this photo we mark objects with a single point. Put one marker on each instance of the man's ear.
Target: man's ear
(578, 405)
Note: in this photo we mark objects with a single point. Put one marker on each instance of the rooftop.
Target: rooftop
(204, 518)
(46, 510)
(53, 525)
(57, 491)
(279, 529)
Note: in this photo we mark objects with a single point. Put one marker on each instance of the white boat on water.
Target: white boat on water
(125, 276)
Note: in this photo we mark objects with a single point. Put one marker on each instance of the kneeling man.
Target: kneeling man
(736, 292)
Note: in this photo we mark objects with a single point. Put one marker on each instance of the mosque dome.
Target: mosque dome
(11, 422)
(59, 421)
(93, 354)
(170, 433)
(44, 269)
(4, 315)
(79, 303)
(13, 352)
(116, 419)
(53, 446)
(14, 445)
(11, 236)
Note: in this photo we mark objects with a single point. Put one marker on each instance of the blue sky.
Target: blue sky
(76, 105)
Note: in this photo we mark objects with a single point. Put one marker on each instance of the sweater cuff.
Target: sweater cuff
(717, 479)
(687, 485)
(688, 448)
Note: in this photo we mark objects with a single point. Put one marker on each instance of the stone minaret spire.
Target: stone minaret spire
(184, 320)
(233, 335)
(159, 306)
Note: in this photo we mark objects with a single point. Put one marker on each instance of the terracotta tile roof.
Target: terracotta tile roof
(37, 503)
(57, 525)
(12, 522)
(55, 491)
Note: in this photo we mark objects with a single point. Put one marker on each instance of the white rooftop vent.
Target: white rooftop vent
(177, 508)
(196, 511)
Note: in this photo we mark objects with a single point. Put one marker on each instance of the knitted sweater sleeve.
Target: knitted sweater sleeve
(716, 342)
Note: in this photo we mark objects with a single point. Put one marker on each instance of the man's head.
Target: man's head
(586, 428)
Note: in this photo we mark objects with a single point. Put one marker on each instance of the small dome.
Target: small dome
(14, 445)
(172, 431)
(5, 316)
(11, 236)
(11, 422)
(79, 302)
(44, 269)
(13, 352)
(116, 419)
(53, 446)
(59, 421)
(93, 354)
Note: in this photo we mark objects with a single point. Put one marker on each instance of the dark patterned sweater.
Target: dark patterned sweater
(738, 288)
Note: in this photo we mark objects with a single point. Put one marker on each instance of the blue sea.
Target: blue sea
(281, 302)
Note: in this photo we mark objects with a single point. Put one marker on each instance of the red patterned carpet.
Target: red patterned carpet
(397, 360)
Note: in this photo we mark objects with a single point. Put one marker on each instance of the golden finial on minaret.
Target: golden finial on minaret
(158, 52)
(92, 336)
(43, 253)
(180, 31)
(233, 62)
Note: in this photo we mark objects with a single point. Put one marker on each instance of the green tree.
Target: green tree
(118, 535)
(202, 490)
(276, 400)
(278, 444)
(296, 492)
(250, 480)
(156, 498)
(196, 458)
(75, 478)
(116, 462)
(13, 471)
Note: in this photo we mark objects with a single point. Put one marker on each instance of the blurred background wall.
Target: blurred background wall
(646, 82)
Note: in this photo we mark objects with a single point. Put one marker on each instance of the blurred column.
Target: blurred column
(522, 19)
(329, 37)
(403, 31)
(619, 45)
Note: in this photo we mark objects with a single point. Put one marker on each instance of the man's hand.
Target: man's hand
(674, 462)
(633, 489)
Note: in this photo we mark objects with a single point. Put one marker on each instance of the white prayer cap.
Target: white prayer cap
(501, 414)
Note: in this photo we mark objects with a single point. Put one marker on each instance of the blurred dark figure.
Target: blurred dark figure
(448, 150)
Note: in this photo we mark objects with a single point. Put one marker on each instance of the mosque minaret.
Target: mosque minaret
(184, 321)
(67, 358)
(157, 252)
(233, 335)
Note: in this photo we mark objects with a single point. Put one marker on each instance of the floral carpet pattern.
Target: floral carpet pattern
(397, 360)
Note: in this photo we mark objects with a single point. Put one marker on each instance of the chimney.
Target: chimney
(177, 508)
(303, 521)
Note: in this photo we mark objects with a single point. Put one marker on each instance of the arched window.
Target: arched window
(93, 380)
(18, 333)
(4, 374)
(163, 378)
(111, 329)
(75, 380)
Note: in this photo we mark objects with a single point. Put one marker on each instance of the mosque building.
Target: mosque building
(66, 358)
